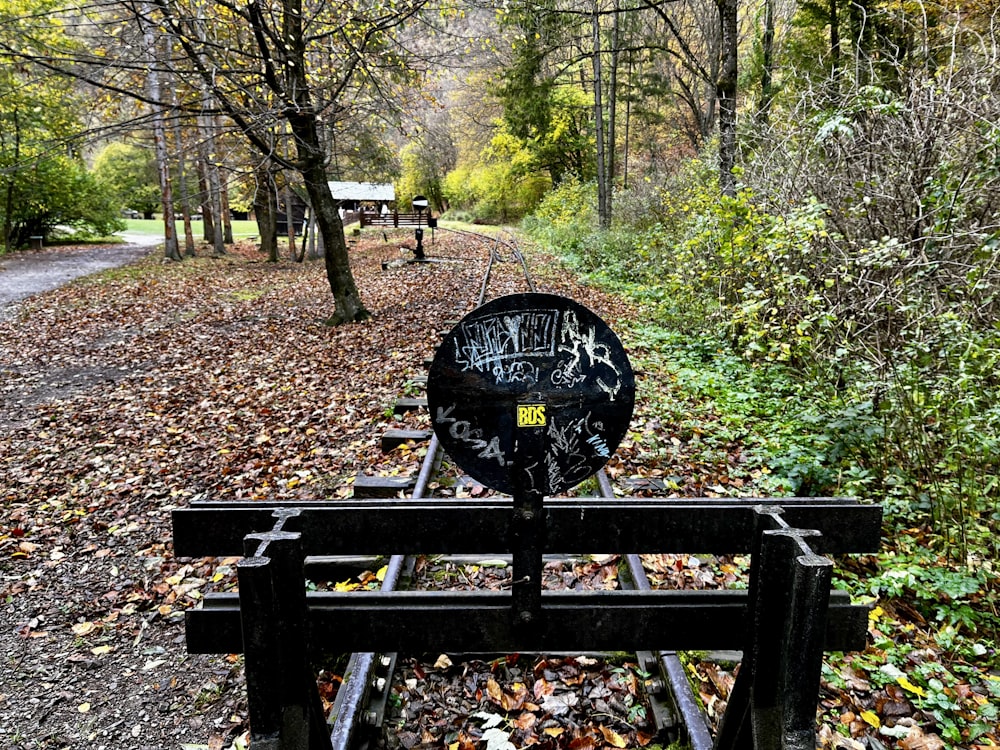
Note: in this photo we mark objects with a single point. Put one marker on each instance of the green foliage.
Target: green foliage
(565, 220)
(43, 182)
(128, 174)
(958, 598)
(544, 110)
(424, 162)
(501, 187)
(894, 401)
(57, 191)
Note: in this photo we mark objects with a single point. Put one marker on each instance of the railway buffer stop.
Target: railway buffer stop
(530, 394)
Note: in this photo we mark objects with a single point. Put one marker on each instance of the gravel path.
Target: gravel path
(29, 272)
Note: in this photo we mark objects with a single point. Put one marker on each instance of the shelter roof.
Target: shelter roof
(363, 191)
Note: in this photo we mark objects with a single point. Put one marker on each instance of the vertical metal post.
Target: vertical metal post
(789, 625)
(528, 531)
(263, 664)
(802, 667)
(419, 252)
(735, 728)
(528, 523)
(285, 709)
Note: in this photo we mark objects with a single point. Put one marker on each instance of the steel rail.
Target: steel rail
(350, 716)
(698, 735)
(498, 240)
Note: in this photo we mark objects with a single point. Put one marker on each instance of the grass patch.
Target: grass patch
(154, 228)
(246, 295)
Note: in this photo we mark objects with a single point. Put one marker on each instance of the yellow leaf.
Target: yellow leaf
(553, 731)
(82, 628)
(494, 691)
(871, 718)
(612, 737)
(101, 650)
(380, 574)
(905, 683)
(83, 708)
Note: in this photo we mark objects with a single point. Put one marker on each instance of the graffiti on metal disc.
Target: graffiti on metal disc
(531, 392)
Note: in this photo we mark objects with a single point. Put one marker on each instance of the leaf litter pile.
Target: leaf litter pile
(515, 701)
(128, 393)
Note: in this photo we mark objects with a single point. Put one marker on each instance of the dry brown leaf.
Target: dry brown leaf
(918, 740)
(494, 691)
(525, 720)
(612, 737)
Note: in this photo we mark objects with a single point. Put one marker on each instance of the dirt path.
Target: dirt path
(31, 272)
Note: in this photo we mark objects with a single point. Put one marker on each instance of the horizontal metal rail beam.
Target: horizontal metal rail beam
(419, 622)
(358, 527)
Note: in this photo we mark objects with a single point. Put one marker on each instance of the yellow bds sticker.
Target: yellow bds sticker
(531, 415)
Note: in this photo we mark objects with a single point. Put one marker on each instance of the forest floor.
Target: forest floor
(134, 391)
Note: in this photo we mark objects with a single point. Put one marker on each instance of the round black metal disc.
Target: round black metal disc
(531, 392)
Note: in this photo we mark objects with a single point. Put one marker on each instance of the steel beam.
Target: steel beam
(584, 621)
(359, 527)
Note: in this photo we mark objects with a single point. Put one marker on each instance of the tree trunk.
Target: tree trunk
(311, 163)
(603, 210)
(212, 178)
(727, 96)
(767, 65)
(8, 217)
(313, 250)
(347, 301)
(835, 67)
(266, 209)
(205, 199)
(861, 26)
(185, 193)
(290, 223)
(209, 157)
(312, 166)
(225, 214)
(612, 148)
(170, 249)
(628, 125)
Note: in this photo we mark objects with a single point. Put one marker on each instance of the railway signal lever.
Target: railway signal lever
(420, 204)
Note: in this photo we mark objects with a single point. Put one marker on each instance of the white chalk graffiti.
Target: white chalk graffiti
(579, 342)
(462, 430)
(498, 344)
(569, 461)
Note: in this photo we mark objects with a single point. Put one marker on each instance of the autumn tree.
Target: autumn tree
(44, 182)
(128, 172)
(284, 75)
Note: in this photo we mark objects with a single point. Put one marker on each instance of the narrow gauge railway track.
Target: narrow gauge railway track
(490, 397)
(361, 704)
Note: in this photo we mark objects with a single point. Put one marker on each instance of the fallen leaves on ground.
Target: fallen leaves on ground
(133, 391)
(518, 701)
